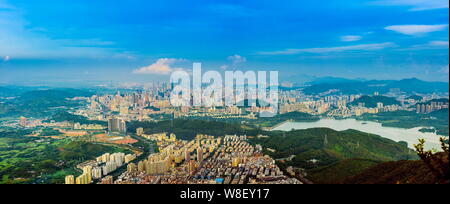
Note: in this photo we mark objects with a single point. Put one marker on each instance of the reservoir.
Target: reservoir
(411, 136)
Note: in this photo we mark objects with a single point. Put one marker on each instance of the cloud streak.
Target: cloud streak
(416, 29)
(237, 59)
(415, 5)
(362, 47)
(351, 38)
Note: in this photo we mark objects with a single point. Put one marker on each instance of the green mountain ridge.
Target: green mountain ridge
(327, 146)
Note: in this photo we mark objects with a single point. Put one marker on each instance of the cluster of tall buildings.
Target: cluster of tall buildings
(102, 166)
(430, 107)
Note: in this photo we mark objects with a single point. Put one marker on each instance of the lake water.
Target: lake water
(411, 136)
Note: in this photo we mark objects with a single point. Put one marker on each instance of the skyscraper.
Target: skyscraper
(199, 154)
(117, 125)
(23, 121)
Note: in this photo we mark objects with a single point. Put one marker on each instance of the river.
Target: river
(411, 136)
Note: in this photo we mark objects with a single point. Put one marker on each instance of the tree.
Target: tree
(436, 162)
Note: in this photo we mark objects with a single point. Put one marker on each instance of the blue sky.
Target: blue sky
(137, 40)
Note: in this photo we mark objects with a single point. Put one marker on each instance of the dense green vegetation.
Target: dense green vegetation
(395, 172)
(318, 149)
(25, 159)
(409, 119)
(337, 172)
(372, 101)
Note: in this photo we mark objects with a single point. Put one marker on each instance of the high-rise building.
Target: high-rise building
(70, 179)
(83, 179)
(107, 180)
(187, 155)
(380, 105)
(23, 121)
(117, 125)
(141, 166)
(131, 168)
(139, 131)
(97, 173)
(199, 154)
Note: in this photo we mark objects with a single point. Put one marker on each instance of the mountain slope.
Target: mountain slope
(337, 172)
(326, 146)
(402, 172)
(371, 101)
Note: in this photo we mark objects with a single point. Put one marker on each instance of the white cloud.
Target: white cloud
(237, 59)
(162, 66)
(6, 58)
(234, 61)
(362, 47)
(415, 5)
(416, 29)
(351, 38)
(439, 43)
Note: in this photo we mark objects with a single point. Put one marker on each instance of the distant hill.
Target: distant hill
(411, 119)
(372, 101)
(41, 102)
(54, 94)
(11, 91)
(411, 86)
(333, 80)
(418, 86)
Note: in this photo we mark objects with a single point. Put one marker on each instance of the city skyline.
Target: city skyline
(142, 41)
